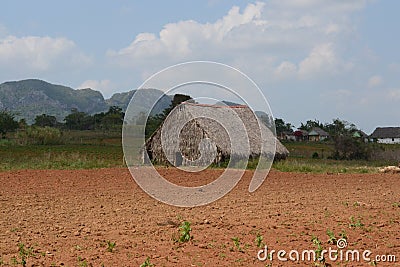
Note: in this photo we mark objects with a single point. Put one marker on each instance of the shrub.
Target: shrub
(40, 136)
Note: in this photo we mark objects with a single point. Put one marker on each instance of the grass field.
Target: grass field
(90, 149)
(77, 150)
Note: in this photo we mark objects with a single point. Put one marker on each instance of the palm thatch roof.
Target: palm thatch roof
(386, 132)
(188, 125)
(316, 131)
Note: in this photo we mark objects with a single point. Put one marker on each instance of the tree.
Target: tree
(345, 144)
(7, 123)
(79, 121)
(45, 120)
(311, 124)
(348, 147)
(113, 118)
(281, 126)
(177, 99)
(153, 122)
(340, 127)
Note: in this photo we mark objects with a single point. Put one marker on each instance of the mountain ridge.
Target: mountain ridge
(31, 97)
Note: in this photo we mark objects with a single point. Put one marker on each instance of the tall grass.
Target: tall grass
(51, 149)
(60, 157)
(327, 166)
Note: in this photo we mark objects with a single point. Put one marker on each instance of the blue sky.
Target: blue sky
(312, 59)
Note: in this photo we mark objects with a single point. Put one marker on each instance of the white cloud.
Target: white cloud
(374, 81)
(285, 69)
(39, 54)
(104, 86)
(301, 37)
(190, 39)
(321, 59)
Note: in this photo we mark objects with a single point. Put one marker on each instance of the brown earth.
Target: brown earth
(68, 217)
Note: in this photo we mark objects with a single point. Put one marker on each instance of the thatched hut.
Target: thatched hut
(188, 124)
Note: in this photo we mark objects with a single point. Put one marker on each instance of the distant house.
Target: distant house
(386, 135)
(360, 134)
(289, 136)
(317, 134)
(301, 135)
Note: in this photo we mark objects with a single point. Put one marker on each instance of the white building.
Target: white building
(386, 135)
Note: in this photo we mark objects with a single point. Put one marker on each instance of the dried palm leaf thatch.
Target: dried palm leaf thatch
(210, 133)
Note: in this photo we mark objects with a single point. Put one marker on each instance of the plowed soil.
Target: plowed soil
(67, 217)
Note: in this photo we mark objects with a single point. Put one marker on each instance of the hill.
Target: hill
(32, 97)
(122, 100)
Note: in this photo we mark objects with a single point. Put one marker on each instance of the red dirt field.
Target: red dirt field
(68, 217)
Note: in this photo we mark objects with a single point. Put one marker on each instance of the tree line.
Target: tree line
(347, 145)
(76, 120)
(341, 132)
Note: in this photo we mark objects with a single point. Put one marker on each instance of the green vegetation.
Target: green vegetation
(40, 136)
(332, 239)
(82, 262)
(185, 232)
(259, 240)
(146, 263)
(343, 234)
(71, 156)
(85, 141)
(53, 148)
(318, 251)
(355, 223)
(236, 243)
(155, 121)
(7, 123)
(110, 246)
(23, 253)
(326, 166)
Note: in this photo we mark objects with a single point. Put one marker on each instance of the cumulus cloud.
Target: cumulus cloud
(104, 86)
(188, 39)
(321, 59)
(39, 54)
(298, 38)
(285, 69)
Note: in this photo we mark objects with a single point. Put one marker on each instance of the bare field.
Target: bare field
(73, 218)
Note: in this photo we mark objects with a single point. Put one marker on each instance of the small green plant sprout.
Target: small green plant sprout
(319, 250)
(332, 239)
(24, 253)
(343, 235)
(355, 223)
(82, 262)
(110, 246)
(259, 240)
(373, 263)
(14, 261)
(147, 263)
(185, 232)
(236, 242)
